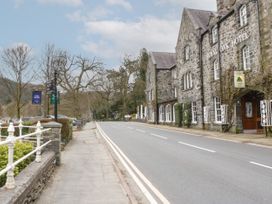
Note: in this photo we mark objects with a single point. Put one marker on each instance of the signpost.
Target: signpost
(36, 97)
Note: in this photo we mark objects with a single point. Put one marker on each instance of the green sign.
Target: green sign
(53, 98)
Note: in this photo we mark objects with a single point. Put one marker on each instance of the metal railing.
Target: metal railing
(10, 142)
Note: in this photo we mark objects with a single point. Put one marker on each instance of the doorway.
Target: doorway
(251, 115)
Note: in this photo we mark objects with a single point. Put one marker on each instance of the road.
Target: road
(193, 169)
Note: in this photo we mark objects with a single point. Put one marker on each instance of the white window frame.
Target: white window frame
(217, 110)
(175, 92)
(168, 113)
(188, 81)
(214, 34)
(187, 53)
(194, 112)
(246, 58)
(243, 15)
(162, 113)
(216, 71)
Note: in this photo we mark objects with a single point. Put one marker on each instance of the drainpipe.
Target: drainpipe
(156, 97)
(201, 76)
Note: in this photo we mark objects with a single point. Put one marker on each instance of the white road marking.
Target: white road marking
(159, 136)
(259, 145)
(216, 138)
(128, 165)
(208, 150)
(139, 130)
(262, 165)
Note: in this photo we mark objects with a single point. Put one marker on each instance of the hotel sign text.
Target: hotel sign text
(228, 45)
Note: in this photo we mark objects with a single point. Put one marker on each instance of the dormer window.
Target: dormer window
(214, 34)
(243, 15)
(187, 53)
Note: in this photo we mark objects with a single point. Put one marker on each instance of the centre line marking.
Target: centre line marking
(262, 165)
(159, 136)
(139, 130)
(208, 150)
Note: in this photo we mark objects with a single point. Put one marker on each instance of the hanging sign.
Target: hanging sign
(239, 79)
(36, 97)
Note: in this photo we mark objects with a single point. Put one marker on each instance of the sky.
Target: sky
(105, 29)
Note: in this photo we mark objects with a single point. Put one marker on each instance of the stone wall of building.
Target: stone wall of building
(151, 89)
(228, 52)
(164, 85)
(266, 32)
(189, 36)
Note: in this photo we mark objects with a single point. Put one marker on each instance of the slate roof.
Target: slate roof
(200, 18)
(163, 60)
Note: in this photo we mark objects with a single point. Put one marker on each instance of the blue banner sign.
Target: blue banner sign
(36, 97)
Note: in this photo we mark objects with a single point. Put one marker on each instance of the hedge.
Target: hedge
(66, 130)
(187, 115)
(178, 114)
(20, 149)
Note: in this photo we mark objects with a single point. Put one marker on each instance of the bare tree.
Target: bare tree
(77, 74)
(47, 73)
(17, 62)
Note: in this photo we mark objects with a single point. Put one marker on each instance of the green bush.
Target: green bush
(178, 115)
(20, 149)
(66, 130)
(186, 115)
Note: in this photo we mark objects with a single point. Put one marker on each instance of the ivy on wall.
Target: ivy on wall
(178, 114)
(186, 115)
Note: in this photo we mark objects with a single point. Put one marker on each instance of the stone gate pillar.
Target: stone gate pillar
(55, 135)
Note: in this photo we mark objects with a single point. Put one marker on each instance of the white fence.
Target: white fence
(10, 142)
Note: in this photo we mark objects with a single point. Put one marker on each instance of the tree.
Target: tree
(76, 74)
(47, 73)
(17, 62)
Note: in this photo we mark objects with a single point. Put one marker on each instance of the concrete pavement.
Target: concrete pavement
(88, 174)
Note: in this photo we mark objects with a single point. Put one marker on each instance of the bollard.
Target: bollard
(38, 135)
(10, 183)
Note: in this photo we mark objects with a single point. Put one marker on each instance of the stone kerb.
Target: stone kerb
(55, 135)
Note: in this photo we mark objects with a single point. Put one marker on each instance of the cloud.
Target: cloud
(62, 2)
(98, 12)
(123, 3)
(119, 38)
(203, 4)
(18, 3)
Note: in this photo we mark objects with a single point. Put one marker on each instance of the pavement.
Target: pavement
(88, 174)
(259, 139)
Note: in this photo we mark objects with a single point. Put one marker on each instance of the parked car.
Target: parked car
(127, 117)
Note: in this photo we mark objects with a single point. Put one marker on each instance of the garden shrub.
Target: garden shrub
(178, 114)
(20, 149)
(66, 130)
(186, 115)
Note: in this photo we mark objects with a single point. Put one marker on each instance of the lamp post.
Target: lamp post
(55, 95)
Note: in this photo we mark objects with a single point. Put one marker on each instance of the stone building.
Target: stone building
(161, 93)
(223, 65)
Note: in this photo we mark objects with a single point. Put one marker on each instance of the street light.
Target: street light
(57, 63)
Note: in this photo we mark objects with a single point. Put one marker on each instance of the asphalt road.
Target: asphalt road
(194, 169)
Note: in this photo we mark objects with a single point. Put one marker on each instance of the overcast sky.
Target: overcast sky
(106, 29)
